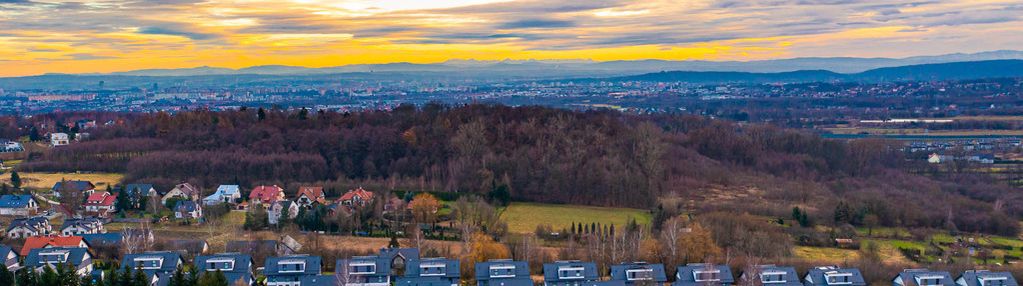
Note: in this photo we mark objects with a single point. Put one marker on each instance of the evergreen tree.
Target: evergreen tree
(6, 277)
(15, 180)
(796, 214)
(394, 242)
(140, 279)
(127, 279)
(178, 279)
(113, 278)
(49, 277)
(27, 277)
(261, 114)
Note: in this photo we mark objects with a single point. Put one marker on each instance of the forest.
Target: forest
(685, 164)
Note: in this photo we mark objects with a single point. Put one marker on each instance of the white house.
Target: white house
(224, 194)
(59, 139)
(183, 191)
(273, 214)
(27, 227)
(18, 205)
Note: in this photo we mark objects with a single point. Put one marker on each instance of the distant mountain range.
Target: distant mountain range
(942, 71)
(586, 68)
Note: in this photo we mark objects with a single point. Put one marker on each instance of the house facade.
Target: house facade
(137, 194)
(277, 209)
(224, 194)
(291, 270)
(639, 273)
(18, 205)
(28, 227)
(363, 271)
(184, 191)
(986, 278)
(59, 139)
(100, 204)
(503, 273)
(237, 267)
(308, 195)
(356, 198)
(431, 272)
(699, 274)
(9, 258)
(83, 188)
(80, 226)
(188, 210)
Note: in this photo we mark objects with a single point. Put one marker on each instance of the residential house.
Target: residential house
(398, 258)
(159, 266)
(7, 146)
(100, 204)
(569, 273)
(18, 205)
(237, 267)
(184, 191)
(59, 139)
(703, 274)
(357, 197)
(503, 273)
(85, 124)
(79, 226)
(833, 276)
(271, 247)
(49, 241)
(188, 210)
(639, 273)
(9, 258)
(224, 194)
(85, 188)
(774, 275)
(104, 240)
(137, 194)
(363, 271)
(278, 208)
(27, 227)
(290, 270)
(307, 196)
(189, 247)
(266, 195)
(431, 272)
(986, 278)
(78, 258)
(923, 277)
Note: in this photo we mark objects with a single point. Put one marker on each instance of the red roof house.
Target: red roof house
(100, 204)
(356, 197)
(309, 195)
(52, 241)
(266, 194)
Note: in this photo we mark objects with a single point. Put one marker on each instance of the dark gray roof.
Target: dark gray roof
(39, 257)
(407, 253)
(974, 277)
(504, 272)
(73, 186)
(911, 276)
(31, 222)
(620, 272)
(273, 265)
(240, 270)
(169, 262)
(6, 251)
(15, 201)
(780, 275)
(320, 280)
(249, 246)
(103, 239)
(819, 276)
(441, 267)
(686, 275)
(381, 265)
(588, 271)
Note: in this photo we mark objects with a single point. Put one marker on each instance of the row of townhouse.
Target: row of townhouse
(404, 267)
(40, 226)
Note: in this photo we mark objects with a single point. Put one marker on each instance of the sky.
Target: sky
(41, 36)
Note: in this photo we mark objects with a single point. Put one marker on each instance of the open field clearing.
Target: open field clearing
(46, 180)
(524, 217)
(920, 131)
(825, 254)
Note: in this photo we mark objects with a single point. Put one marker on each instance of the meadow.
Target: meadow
(524, 217)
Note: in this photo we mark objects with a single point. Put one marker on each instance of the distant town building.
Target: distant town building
(59, 139)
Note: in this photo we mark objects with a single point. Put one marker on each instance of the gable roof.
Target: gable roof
(137, 188)
(588, 270)
(240, 270)
(382, 265)
(266, 194)
(35, 242)
(86, 222)
(101, 199)
(360, 193)
(15, 201)
(80, 186)
(507, 272)
(406, 253)
(31, 223)
(169, 262)
(189, 246)
(977, 277)
(312, 265)
(686, 275)
(818, 276)
(788, 274)
(414, 267)
(75, 255)
(249, 246)
(912, 275)
(310, 192)
(187, 188)
(620, 271)
(103, 239)
(186, 206)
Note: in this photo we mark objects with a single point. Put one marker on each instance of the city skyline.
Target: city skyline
(108, 36)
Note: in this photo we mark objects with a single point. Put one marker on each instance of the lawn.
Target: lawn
(46, 180)
(825, 254)
(524, 217)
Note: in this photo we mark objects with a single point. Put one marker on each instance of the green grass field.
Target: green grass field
(524, 217)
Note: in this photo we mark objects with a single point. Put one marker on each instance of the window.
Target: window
(291, 266)
(220, 264)
(502, 271)
(639, 274)
(570, 272)
(929, 280)
(772, 277)
(992, 281)
(149, 262)
(432, 269)
(838, 278)
(362, 268)
(706, 275)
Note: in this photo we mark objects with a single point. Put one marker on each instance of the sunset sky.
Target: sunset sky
(40, 36)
